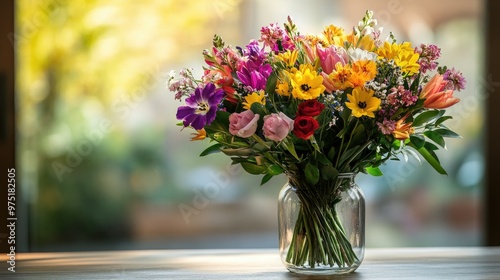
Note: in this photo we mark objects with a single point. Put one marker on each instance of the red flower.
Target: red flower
(304, 127)
(310, 108)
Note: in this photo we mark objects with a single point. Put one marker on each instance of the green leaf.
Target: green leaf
(211, 150)
(312, 173)
(271, 82)
(220, 124)
(258, 108)
(262, 147)
(431, 147)
(242, 152)
(442, 119)
(346, 156)
(331, 153)
(288, 143)
(447, 133)
(274, 169)
(374, 171)
(414, 85)
(314, 143)
(320, 157)
(359, 134)
(329, 172)
(417, 140)
(436, 137)
(432, 159)
(426, 117)
(253, 168)
(266, 179)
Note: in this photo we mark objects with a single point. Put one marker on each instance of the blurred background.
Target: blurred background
(103, 165)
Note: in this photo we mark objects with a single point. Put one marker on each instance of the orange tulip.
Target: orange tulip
(435, 95)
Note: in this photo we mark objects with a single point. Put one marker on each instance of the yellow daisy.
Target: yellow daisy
(362, 103)
(255, 97)
(390, 51)
(306, 83)
(407, 60)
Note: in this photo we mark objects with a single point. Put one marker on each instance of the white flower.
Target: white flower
(359, 54)
(367, 31)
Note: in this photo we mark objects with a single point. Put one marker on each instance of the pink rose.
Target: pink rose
(277, 126)
(243, 124)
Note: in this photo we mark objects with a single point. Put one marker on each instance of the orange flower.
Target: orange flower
(339, 79)
(403, 130)
(435, 95)
(199, 135)
(225, 81)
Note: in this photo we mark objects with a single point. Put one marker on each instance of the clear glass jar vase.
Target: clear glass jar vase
(322, 226)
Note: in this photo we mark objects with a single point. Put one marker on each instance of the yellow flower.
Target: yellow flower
(334, 35)
(366, 69)
(289, 57)
(341, 76)
(362, 103)
(199, 135)
(391, 51)
(255, 97)
(407, 60)
(283, 88)
(365, 43)
(306, 83)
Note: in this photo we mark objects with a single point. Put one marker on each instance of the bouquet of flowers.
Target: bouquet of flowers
(314, 106)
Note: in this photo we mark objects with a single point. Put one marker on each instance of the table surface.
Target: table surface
(393, 263)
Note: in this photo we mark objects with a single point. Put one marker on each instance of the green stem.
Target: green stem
(319, 237)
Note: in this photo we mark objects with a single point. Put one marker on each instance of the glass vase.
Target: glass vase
(322, 226)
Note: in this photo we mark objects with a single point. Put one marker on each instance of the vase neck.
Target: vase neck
(349, 175)
(341, 179)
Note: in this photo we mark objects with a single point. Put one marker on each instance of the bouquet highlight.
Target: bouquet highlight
(316, 106)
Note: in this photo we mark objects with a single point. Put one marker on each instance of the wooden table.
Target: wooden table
(400, 263)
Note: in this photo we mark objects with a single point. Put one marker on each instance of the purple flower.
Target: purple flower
(455, 79)
(255, 53)
(201, 107)
(256, 79)
(387, 126)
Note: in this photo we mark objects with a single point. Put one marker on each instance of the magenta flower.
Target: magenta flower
(429, 55)
(455, 79)
(201, 107)
(257, 78)
(387, 126)
(330, 56)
